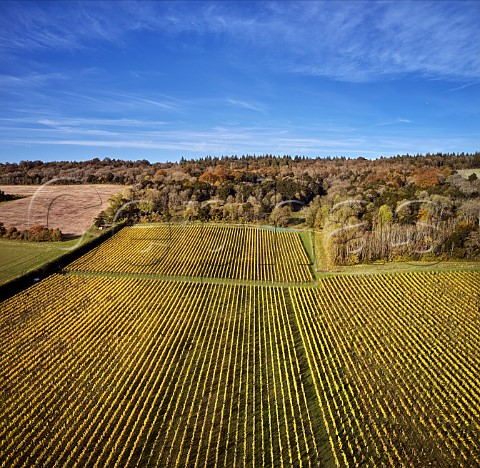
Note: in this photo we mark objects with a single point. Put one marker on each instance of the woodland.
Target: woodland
(396, 208)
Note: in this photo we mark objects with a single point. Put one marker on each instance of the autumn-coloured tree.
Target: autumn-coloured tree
(427, 178)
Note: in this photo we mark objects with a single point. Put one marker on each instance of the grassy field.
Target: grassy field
(399, 267)
(19, 258)
(466, 172)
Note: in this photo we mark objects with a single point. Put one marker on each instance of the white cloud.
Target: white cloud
(223, 140)
(349, 41)
(395, 122)
(358, 41)
(94, 122)
(467, 85)
(30, 80)
(245, 105)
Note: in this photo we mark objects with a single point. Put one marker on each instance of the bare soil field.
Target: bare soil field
(71, 208)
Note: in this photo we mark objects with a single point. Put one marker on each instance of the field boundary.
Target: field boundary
(15, 285)
(19, 283)
(191, 279)
(315, 284)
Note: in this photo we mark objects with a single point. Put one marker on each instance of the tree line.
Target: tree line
(37, 233)
(406, 206)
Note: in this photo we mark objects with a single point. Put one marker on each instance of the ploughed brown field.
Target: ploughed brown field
(71, 208)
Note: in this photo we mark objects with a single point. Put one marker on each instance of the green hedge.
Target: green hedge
(16, 285)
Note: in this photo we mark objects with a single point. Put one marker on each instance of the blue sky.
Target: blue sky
(161, 80)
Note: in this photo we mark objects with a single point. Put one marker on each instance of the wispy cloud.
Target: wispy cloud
(224, 140)
(80, 122)
(33, 26)
(237, 77)
(61, 91)
(467, 85)
(358, 41)
(30, 80)
(350, 41)
(245, 105)
(395, 122)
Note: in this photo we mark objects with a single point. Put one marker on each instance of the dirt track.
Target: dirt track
(71, 208)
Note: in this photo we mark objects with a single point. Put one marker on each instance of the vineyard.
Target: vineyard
(129, 372)
(395, 361)
(242, 253)
(132, 369)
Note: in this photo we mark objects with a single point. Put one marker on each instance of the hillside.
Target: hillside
(388, 209)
